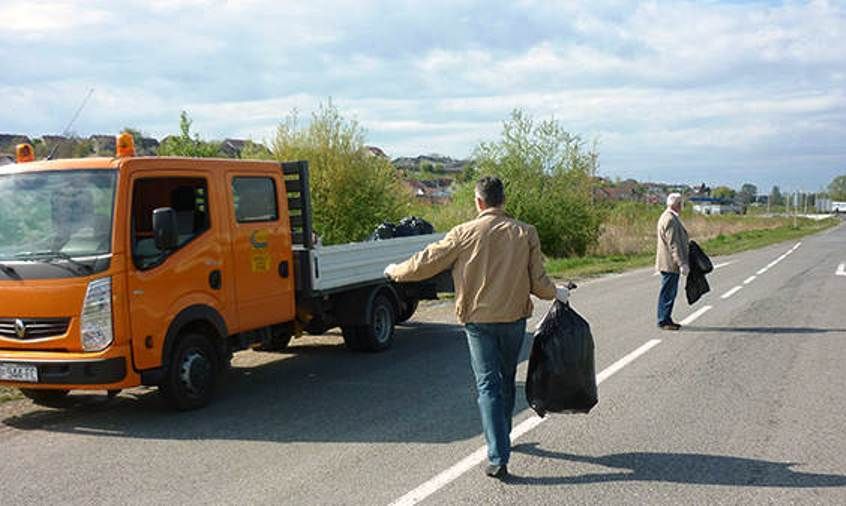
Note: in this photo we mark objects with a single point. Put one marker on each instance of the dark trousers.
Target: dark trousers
(667, 296)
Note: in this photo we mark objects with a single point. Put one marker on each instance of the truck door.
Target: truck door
(162, 283)
(261, 240)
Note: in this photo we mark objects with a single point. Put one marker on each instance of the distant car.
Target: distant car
(838, 207)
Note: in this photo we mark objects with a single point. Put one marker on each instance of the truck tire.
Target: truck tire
(191, 376)
(378, 333)
(351, 340)
(47, 398)
(410, 308)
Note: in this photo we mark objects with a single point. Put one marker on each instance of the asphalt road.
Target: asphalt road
(744, 406)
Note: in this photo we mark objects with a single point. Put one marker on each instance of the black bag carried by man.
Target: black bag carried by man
(696, 285)
(562, 375)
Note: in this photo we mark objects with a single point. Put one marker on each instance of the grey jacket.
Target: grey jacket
(673, 244)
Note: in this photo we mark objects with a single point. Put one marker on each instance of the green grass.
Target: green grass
(590, 266)
(9, 394)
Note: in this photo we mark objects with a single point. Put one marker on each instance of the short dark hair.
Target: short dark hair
(491, 190)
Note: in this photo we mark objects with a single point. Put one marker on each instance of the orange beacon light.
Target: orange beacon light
(125, 145)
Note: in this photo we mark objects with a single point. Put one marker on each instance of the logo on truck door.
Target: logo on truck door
(260, 259)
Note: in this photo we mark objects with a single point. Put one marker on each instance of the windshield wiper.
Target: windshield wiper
(52, 256)
(12, 273)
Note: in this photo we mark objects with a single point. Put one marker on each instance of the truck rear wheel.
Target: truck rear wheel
(48, 398)
(192, 373)
(378, 333)
(408, 312)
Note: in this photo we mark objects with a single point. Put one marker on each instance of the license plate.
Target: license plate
(19, 372)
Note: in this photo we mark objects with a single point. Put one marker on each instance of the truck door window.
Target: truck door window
(189, 199)
(255, 199)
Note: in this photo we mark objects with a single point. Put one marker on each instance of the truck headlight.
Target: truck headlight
(97, 315)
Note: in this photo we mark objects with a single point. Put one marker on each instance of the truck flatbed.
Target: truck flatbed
(344, 266)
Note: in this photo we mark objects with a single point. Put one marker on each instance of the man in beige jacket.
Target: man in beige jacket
(671, 259)
(496, 263)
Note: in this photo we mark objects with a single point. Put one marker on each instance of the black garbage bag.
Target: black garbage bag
(562, 374)
(408, 226)
(698, 259)
(696, 285)
(383, 231)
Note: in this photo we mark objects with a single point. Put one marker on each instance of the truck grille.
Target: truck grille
(24, 329)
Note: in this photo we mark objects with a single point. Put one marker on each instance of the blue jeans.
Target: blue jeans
(667, 296)
(494, 353)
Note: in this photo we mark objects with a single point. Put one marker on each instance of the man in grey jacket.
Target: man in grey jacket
(671, 259)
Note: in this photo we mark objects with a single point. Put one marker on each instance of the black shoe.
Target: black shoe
(669, 326)
(495, 471)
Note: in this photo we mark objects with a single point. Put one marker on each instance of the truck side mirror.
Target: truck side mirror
(164, 228)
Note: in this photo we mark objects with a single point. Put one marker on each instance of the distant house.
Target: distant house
(376, 151)
(103, 145)
(615, 193)
(8, 142)
(232, 148)
(416, 188)
(147, 146)
(714, 206)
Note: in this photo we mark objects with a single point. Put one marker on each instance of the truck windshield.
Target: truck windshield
(62, 214)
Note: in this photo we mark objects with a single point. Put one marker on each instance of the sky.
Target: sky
(720, 92)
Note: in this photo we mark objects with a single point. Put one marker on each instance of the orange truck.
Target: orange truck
(127, 271)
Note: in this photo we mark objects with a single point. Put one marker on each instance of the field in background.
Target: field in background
(629, 242)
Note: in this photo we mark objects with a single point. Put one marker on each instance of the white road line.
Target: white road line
(716, 266)
(469, 462)
(761, 271)
(731, 292)
(749, 280)
(699, 312)
(841, 270)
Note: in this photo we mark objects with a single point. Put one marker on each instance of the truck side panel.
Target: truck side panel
(261, 241)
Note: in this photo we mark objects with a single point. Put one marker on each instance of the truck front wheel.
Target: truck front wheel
(192, 374)
(378, 333)
(48, 398)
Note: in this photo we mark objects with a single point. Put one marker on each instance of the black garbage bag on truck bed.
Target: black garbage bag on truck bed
(408, 226)
(562, 374)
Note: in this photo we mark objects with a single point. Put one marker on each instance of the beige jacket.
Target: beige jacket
(673, 243)
(496, 263)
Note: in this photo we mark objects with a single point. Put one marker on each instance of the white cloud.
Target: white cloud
(662, 84)
(50, 18)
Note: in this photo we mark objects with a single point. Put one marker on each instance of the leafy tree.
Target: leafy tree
(185, 144)
(837, 188)
(723, 192)
(776, 198)
(351, 190)
(548, 176)
(747, 193)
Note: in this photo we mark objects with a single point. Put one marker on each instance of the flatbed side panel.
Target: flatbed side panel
(352, 264)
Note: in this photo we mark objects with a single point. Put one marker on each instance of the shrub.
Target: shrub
(352, 191)
(547, 173)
